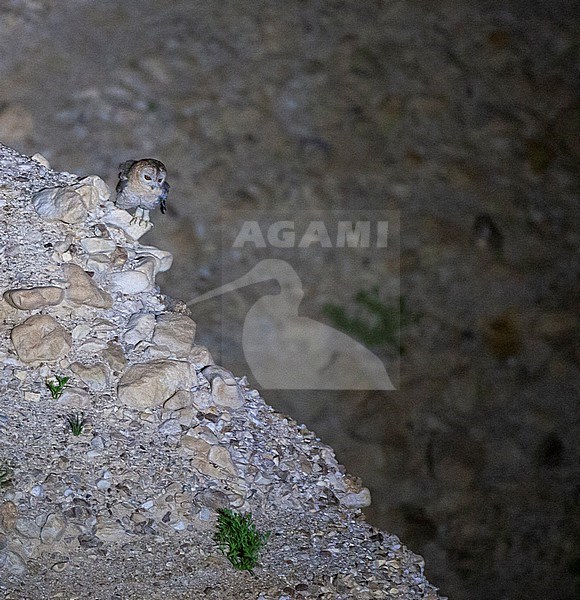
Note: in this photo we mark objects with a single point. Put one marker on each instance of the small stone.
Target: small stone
(53, 528)
(170, 427)
(40, 338)
(40, 160)
(32, 396)
(13, 563)
(92, 191)
(98, 245)
(220, 456)
(123, 220)
(8, 515)
(356, 500)
(180, 399)
(33, 298)
(139, 328)
(114, 357)
(27, 528)
(214, 499)
(82, 290)
(149, 384)
(201, 357)
(224, 388)
(131, 282)
(196, 445)
(96, 376)
(75, 398)
(173, 336)
(60, 204)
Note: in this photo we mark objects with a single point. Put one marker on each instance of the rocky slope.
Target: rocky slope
(127, 509)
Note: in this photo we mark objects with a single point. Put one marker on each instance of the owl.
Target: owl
(142, 186)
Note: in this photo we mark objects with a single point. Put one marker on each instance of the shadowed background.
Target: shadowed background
(465, 118)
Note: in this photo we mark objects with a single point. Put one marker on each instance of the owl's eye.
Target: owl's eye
(147, 177)
(160, 180)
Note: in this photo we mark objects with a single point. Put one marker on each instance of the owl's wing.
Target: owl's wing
(163, 197)
(124, 175)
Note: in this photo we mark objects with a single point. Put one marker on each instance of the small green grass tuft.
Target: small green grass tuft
(56, 385)
(76, 423)
(238, 539)
(5, 475)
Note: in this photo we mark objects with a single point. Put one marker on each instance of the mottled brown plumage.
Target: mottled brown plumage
(142, 186)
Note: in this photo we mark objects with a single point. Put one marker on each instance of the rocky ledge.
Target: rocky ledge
(127, 509)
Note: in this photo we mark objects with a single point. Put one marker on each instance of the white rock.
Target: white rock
(130, 282)
(220, 456)
(75, 398)
(224, 388)
(33, 298)
(41, 338)
(82, 290)
(201, 357)
(98, 245)
(53, 528)
(356, 500)
(173, 336)
(60, 204)
(96, 376)
(164, 257)
(150, 384)
(121, 219)
(92, 190)
(139, 328)
(41, 160)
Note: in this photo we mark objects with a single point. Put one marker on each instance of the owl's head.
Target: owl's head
(151, 173)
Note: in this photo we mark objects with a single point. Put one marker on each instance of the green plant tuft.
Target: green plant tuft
(56, 385)
(238, 539)
(76, 423)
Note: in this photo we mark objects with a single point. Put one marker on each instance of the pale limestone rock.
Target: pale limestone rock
(27, 528)
(92, 190)
(163, 257)
(92, 345)
(114, 357)
(109, 530)
(98, 245)
(12, 563)
(83, 290)
(7, 312)
(356, 500)
(53, 528)
(96, 376)
(201, 357)
(195, 445)
(32, 298)
(121, 219)
(150, 384)
(40, 160)
(220, 457)
(130, 282)
(179, 400)
(170, 427)
(40, 338)
(173, 336)
(224, 388)
(74, 398)
(60, 204)
(201, 399)
(147, 265)
(139, 328)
